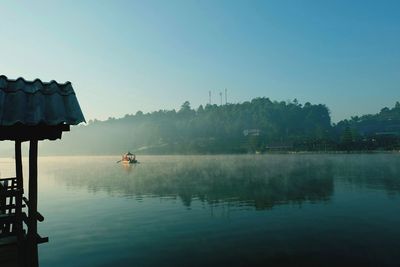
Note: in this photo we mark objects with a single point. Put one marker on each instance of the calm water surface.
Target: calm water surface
(276, 210)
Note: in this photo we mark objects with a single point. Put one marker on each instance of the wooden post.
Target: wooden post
(18, 166)
(18, 202)
(32, 212)
(20, 189)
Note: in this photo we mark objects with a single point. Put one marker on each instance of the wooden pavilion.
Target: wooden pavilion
(30, 111)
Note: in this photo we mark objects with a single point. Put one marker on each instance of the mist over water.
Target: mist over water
(248, 210)
(248, 180)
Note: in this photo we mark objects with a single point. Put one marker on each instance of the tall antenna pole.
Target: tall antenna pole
(209, 97)
(220, 95)
(226, 96)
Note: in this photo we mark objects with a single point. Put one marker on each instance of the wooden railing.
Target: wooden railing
(10, 208)
(12, 216)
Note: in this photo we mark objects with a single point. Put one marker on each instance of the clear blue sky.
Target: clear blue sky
(124, 56)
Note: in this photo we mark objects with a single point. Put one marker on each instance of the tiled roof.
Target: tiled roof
(36, 102)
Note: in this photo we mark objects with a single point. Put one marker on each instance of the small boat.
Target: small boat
(129, 158)
(129, 161)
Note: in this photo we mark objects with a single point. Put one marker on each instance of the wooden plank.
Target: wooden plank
(8, 188)
(10, 193)
(7, 218)
(8, 179)
(9, 240)
(10, 185)
(37, 132)
(6, 234)
(12, 206)
(41, 240)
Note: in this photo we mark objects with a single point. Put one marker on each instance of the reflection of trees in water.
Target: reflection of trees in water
(378, 171)
(241, 180)
(256, 187)
(260, 181)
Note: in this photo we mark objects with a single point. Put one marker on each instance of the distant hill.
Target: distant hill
(255, 126)
(377, 131)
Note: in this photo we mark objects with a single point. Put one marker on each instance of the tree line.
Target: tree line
(258, 125)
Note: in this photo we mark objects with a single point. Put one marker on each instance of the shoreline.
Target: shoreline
(376, 152)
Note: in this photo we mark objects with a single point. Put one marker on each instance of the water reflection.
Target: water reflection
(369, 171)
(144, 203)
(21, 252)
(128, 167)
(261, 182)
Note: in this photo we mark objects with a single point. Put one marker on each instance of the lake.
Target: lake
(248, 210)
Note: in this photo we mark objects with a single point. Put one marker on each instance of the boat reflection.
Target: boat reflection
(128, 167)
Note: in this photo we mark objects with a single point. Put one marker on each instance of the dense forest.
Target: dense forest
(259, 125)
(371, 132)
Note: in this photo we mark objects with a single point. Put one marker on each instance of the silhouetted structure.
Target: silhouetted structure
(29, 111)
